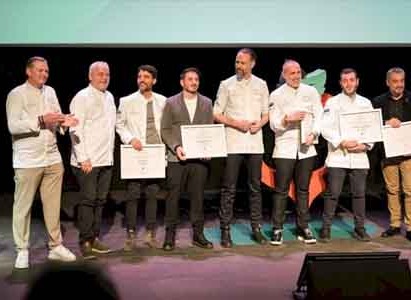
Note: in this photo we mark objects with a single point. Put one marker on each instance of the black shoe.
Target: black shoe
(170, 239)
(325, 235)
(200, 240)
(361, 235)
(226, 241)
(257, 236)
(391, 231)
(305, 235)
(408, 235)
(277, 238)
(86, 251)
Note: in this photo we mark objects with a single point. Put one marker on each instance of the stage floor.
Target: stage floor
(246, 271)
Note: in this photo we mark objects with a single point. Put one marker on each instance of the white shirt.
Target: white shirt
(132, 116)
(93, 137)
(243, 100)
(32, 147)
(285, 100)
(191, 105)
(337, 158)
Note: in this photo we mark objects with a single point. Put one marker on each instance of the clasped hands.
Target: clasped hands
(244, 126)
(353, 146)
(52, 119)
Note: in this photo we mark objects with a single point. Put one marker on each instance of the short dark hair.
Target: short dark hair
(33, 59)
(150, 69)
(348, 71)
(187, 70)
(250, 52)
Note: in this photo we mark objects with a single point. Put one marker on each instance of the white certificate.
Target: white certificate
(397, 141)
(307, 125)
(362, 126)
(204, 141)
(150, 162)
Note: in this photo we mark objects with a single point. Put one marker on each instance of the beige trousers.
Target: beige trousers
(397, 180)
(27, 181)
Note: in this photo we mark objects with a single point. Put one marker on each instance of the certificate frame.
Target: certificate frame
(397, 141)
(150, 162)
(364, 126)
(204, 141)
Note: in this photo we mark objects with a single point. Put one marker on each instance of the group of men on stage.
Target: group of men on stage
(243, 105)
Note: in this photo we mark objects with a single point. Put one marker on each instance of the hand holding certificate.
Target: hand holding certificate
(147, 163)
(204, 141)
(307, 126)
(397, 141)
(362, 126)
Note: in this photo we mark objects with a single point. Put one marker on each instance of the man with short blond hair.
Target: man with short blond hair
(34, 117)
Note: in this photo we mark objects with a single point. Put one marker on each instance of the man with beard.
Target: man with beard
(346, 157)
(92, 154)
(138, 124)
(186, 108)
(294, 155)
(242, 106)
(34, 117)
(396, 108)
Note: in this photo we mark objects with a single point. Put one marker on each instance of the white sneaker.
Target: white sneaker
(22, 259)
(61, 253)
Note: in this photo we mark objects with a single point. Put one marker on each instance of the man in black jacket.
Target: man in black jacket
(396, 108)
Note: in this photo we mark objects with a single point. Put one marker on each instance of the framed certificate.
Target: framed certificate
(362, 126)
(204, 141)
(150, 162)
(397, 141)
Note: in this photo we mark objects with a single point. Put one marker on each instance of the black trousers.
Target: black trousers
(193, 176)
(285, 171)
(94, 188)
(135, 188)
(228, 190)
(358, 180)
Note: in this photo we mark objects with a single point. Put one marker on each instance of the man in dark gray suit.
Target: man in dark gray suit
(186, 108)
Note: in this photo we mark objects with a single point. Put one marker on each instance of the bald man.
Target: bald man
(92, 154)
(294, 154)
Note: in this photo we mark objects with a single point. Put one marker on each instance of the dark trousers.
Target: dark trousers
(94, 188)
(193, 175)
(358, 180)
(228, 190)
(286, 170)
(135, 188)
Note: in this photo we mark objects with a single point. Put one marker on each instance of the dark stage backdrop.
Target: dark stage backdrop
(69, 69)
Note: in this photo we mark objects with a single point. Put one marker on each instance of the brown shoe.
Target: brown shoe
(130, 243)
(150, 239)
(99, 247)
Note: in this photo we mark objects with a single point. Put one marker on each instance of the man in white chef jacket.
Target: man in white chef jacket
(346, 157)
(92, 154)
(295, 118)
(242, 106)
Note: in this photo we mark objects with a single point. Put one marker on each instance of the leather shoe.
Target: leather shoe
(200, 240)
(391, 231)
(258, 237)
(226, 241)
(170, 239)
